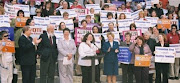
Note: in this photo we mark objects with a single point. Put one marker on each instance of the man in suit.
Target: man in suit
(28, 55)
(47, 50)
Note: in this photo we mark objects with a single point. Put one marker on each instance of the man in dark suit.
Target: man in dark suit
(47, 50)
(28, 55)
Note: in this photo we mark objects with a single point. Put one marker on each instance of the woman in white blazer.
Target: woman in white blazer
(6, 61)
(87, 48)
(67, 50)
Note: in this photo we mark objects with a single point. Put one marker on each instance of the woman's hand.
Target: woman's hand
(116, 51)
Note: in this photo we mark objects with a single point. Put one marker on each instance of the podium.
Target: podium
(93, 58)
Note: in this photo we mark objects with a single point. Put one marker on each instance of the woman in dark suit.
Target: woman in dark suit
(111, 48)
(162, 68)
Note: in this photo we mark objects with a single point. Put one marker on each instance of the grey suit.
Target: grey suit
(65, 71)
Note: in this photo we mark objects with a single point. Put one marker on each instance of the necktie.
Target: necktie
(50, 39)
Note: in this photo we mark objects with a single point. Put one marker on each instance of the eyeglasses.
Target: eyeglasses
(38, 12)
(6, 35)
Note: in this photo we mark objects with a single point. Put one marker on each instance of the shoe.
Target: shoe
(172, 78)
(177, 78)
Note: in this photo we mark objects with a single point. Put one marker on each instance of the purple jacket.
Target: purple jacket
(136, 51)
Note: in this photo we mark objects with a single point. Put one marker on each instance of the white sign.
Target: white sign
(96, 7)
(105, 24)
(153, 20)
(116, 36)
(165, 54)
(25, 8)
(124, 24)
(135, 15)
(71, 12)
(83, 17)
(97, 37)
(128, 14)
(104, 14)
(69, 24)
(177, 48)
(142, 25)
(41, 21)
(4, 21)
(174, 2)
(36, 31)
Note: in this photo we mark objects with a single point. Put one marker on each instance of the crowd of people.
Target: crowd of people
(69, 55)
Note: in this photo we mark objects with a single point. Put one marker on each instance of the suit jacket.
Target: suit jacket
(151, 42)
(27, 51)
(64, 48)
(45, 49)
(110, 56)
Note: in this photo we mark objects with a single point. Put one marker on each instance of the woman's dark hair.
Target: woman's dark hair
(85, 37)
(2, 33)
(164, 36)
(66, 29)
(67, 4)
(83, 21)
(20, 11)
(60, 25)
(141, 38)
(105, 6)
(132, 25)
(173, 25)
(109, 14)
(28, 21)
(94, 27)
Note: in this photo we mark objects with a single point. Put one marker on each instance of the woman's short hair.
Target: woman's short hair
(128, 33)
(20, 11)
(65, 13)
(2, 33)
(141, 38)
(66, 29)
(28, 21)
(122, 14)
(94, 27)
(83, 21)
(88, 16)
(109, 14)
(60, 25)
(133, 25)
(86, 36)
(173, 25)
(110, 34)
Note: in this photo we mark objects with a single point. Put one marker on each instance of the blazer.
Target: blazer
(45, 49)
(110, 56)
(27, 51)
(136, 51)
(151, 42)
(64, 48)
(125, 44)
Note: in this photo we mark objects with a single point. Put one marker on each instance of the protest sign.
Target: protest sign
(36, 31)
(21, 21)
(80, 12)
(7, 46)
(71, 12)
(96, 7)
(128, 14)
(124, 24)
(142, 25)
(79, 34)
(106, 22)
(83, 17)
(103, 14)
(152, 20)
(164, 23)
(135, 15)
(142, 60)
(41, 21)
(25, 8)
(69, 24)
(4, 21)
(177, 48)
(124, 55)
(59, 35)
(165, 54)
(116, 36)
(10, 31)
(10, 10)
(97, 37)
(134, 34)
